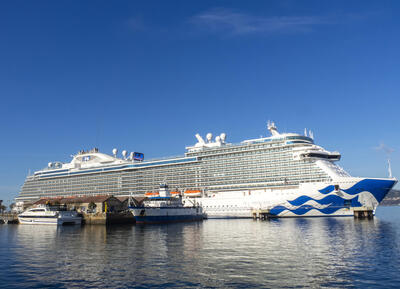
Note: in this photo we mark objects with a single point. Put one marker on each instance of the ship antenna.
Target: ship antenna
(310, 134)
(130, 199)
(390, 169)
(388, 152)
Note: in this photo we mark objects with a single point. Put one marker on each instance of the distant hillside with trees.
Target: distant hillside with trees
(392, 198)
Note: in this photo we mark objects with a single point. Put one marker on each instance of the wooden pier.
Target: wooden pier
(8, 218)
(363, 213)
(261, 214)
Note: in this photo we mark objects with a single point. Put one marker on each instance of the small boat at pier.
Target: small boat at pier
(165, 208)
(49, 215)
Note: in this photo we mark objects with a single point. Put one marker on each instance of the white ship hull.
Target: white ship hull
(338, 198)
(286, 174)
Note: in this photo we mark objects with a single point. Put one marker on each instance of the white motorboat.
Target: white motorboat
(48, 215)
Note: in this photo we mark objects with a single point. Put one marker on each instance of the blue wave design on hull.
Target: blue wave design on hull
(331, 199)
(327, 190)
(378, 188)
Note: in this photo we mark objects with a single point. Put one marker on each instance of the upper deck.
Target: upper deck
(93, 161)
(283, 159)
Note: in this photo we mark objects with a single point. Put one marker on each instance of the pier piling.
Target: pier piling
(363, 213)
(261, 214)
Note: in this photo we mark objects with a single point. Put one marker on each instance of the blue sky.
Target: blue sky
(146, 76)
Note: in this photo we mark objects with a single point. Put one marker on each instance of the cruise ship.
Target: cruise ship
(285, 174)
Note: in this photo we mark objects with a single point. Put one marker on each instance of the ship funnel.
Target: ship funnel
(131, 156)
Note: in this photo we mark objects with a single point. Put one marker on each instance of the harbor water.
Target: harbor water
(237, 253)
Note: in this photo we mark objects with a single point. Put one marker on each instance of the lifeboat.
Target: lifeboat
(152, 194)
(192, 193)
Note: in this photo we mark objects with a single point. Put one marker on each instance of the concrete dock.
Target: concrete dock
(8, 218)
(261, 214)
(108, 218)
(363, 213)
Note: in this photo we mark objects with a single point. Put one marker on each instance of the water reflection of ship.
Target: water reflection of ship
(315, 252)
(168, 251)
(71, 253)
(302, 252)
